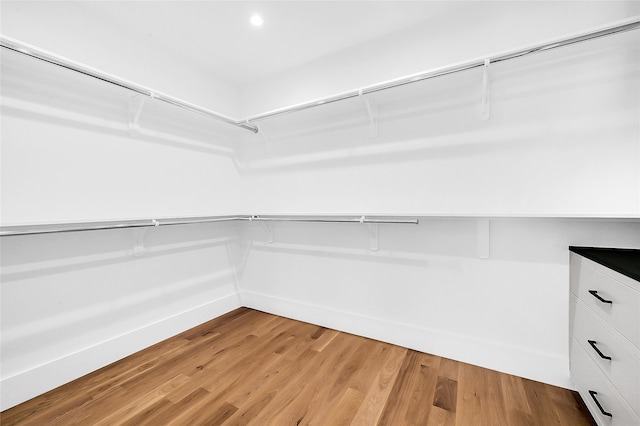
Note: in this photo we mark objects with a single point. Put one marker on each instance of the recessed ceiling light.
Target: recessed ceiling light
(256, 20)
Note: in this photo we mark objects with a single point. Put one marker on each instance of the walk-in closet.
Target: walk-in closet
(320, 212)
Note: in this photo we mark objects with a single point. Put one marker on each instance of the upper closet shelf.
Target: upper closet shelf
(246, 123)
(373, 219)
(485, 61)
(35, 52)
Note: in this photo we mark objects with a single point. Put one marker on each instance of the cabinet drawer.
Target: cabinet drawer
(588, 378)
(623, 369)
(620, 304)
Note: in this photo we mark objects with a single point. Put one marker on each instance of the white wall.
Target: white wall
(427, 289)
(563, 141)
(563, 138)
(473, 30)
(68, 155)
(75, 302)
(80, 30)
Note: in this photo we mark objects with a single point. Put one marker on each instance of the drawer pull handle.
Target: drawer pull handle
(593, 395)
(595, 348)
(595, 294)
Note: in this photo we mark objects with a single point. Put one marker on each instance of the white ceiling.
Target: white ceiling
(217, 35)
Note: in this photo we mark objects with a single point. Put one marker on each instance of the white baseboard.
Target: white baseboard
(539, 366)
(518, 361)
(38, 380)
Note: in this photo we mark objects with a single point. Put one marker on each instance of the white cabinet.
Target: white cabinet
(605, 332)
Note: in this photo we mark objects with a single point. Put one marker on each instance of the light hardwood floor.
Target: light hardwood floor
(249, 367)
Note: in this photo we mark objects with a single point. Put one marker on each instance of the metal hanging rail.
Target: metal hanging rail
(7, 231)
(43, 55)
(628, 25)
(333, 219)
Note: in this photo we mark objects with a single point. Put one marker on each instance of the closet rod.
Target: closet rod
(331, 219)
(43, 55)
(7, 231)
(615, 28)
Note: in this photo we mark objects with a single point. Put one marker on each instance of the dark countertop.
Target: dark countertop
(624, 261)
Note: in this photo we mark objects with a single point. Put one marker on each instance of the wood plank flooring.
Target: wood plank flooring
(252, 368)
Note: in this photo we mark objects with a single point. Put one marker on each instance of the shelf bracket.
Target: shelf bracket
(372, 112)
(136, 104)
(374, 235)
(269, 232)
(139, 234)
(261, 132)
(266, 227)
(485, 105)
(484, 237)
